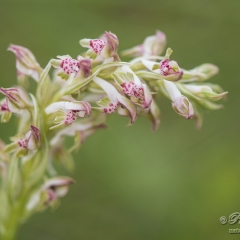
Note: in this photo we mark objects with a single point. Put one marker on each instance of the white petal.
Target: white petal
(172, 90)
(110, 90)
(54, 107)
(74, 106)
(149, 64)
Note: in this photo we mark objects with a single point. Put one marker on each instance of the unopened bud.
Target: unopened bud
(183, 107)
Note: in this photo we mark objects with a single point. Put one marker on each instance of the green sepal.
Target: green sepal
(11, 147)
(6, 116)
(104, 102)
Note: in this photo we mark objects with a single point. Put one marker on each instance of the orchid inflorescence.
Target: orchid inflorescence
(75, 100)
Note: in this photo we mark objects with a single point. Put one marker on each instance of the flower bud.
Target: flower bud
(204, 92)
(26, 63)
(183, 107)
(152, 46)
(205, 71)
(201, 73)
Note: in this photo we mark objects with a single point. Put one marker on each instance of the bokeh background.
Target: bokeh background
(133, 184)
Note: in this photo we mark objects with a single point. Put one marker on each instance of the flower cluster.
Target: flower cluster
(74, 100)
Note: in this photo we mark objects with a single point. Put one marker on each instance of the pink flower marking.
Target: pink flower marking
(129, 88)
(139, 93)
(97, 45)
(23, 143)
(70, 65)
(110, 109)
(71, 117)
(9, 93)
(36, 132)
(165, 68)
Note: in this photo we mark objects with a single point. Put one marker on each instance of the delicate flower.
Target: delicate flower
(169, 70)
(110, 103)
(26, 63)
(152, 45)
(11, 94)
(56, 188)
(68, 112)
(31, 139)
(106, 46)
(133, 87)
(23, 143)
(49, 193)
(79, 128)
(69, 66)
(180, 103)
(15, 102)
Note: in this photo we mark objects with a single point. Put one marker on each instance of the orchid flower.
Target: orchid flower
(26, 63)
(50, 192)
(68, 112)
(169, 70)
(14, 102)
(106, 46)
(152, 46)
(22, 144)
(110, 103)
(133, 87)
(79, 68)
(180, 103)
(56, 188)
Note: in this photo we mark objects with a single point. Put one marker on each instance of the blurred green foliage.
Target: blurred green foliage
(134, 184)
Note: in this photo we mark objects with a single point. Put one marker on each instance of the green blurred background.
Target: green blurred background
(133, 184)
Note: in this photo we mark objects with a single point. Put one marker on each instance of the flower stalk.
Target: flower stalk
(75, 100)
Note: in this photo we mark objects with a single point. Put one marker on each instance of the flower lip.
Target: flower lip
(70, 65)
(97, 45)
